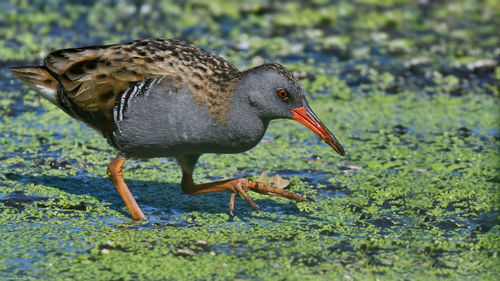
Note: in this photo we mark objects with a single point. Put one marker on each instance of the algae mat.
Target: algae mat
(411, 89)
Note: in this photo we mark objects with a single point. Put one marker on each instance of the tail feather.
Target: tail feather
(39, 77)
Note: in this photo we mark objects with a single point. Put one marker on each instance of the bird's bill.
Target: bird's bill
(306, 116)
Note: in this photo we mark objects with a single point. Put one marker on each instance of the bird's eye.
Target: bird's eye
(283, 94)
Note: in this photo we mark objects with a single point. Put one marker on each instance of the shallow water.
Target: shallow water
(410, 89)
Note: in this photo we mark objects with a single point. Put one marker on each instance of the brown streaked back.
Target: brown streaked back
(94, 77)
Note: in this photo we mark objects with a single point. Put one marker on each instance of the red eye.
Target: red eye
(282, 93)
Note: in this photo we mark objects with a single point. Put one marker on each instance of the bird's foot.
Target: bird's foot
(242, 185)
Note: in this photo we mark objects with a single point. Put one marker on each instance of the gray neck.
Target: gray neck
(243, 117)
(245, 93)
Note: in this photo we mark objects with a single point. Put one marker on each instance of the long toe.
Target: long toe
(241, 188)
(231, 204)
(272, 191)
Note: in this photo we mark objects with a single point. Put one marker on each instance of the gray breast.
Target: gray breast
(157, 118)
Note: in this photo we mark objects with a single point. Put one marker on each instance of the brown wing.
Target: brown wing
(95, 77)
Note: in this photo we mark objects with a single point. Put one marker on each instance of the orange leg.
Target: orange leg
(115, 172)
(240, 185)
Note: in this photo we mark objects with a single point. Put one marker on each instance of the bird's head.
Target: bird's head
(274, 92)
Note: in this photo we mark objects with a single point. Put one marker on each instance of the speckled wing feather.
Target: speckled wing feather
(93, 78)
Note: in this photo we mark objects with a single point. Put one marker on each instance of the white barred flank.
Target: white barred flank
(139, 89)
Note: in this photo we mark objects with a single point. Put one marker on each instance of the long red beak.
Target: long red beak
(306, 116)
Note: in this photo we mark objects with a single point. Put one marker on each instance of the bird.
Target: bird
(168, 98)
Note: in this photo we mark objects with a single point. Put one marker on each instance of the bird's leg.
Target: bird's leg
(115, 173)
(240, 185)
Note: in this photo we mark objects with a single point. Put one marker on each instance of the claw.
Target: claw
(309, 199)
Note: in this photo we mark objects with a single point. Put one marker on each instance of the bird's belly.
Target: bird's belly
(171, 142)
